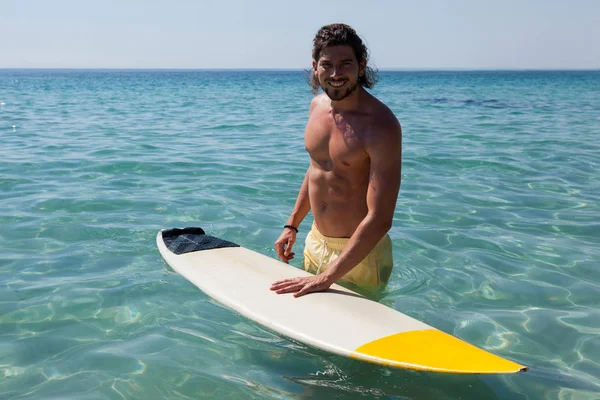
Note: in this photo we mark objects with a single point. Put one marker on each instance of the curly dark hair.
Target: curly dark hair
(338, 35)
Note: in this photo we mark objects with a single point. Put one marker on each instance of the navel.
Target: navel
(323, 207)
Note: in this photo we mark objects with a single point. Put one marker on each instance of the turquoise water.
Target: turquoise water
(496, 232)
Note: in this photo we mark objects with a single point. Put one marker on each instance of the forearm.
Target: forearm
(302, 206)
(368, 233)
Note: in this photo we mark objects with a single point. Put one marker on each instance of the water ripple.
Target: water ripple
(495, 233)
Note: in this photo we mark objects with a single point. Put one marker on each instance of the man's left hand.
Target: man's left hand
(303, 285)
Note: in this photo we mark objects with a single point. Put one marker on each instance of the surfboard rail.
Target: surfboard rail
(239, 279)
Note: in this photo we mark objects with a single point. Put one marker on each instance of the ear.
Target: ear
(314, 65)
(363, 67)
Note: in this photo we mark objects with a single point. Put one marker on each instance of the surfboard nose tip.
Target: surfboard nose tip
(435, 351)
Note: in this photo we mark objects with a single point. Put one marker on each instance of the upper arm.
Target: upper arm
(385, 153)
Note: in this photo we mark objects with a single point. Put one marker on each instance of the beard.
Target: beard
(341, 93)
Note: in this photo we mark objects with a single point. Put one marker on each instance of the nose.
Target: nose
(335, 72)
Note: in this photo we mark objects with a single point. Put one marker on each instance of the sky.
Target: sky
(266, 34)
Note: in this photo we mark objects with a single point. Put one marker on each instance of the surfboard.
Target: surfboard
(338, 320)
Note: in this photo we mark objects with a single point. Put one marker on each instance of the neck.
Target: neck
(350, 103)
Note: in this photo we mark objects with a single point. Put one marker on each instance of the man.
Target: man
(352, 183)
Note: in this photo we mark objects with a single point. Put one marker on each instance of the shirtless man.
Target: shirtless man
(352, 183)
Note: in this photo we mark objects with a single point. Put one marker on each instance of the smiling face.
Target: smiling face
(338, 71)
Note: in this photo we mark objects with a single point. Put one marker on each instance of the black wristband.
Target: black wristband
(291, 227)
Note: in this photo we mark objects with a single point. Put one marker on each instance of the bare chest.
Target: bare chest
(336, 143)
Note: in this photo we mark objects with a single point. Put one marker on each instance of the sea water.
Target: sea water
(496, 233)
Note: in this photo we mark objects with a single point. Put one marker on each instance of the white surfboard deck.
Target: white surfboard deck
(338, 320)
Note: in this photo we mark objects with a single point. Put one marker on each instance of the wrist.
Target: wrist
(291, 227)
(329, 276)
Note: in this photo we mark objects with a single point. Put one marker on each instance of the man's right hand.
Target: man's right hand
(284, 244)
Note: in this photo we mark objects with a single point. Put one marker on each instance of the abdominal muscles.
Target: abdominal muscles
(338, 201)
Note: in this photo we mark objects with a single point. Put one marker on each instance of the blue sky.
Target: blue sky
(426, 34)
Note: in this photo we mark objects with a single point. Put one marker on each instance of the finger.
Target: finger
(286, 258)
(310, 288)
(288, 283)
(277, 283)
(283, 283)
(279, 250)
(290, 288)
(304, 290)
(288, 247)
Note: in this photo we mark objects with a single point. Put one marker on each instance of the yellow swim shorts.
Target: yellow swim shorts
(375, 269)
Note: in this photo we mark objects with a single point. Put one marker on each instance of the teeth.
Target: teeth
(337, 84)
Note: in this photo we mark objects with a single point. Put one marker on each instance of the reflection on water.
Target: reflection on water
(495, 234)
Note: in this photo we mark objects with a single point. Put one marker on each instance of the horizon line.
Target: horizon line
(415, 69)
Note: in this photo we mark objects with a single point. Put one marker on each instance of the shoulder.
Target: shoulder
(386, 120)
(319, 102)
(385, 127)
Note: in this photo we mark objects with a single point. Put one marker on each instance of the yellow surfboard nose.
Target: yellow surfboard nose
(434, 350)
